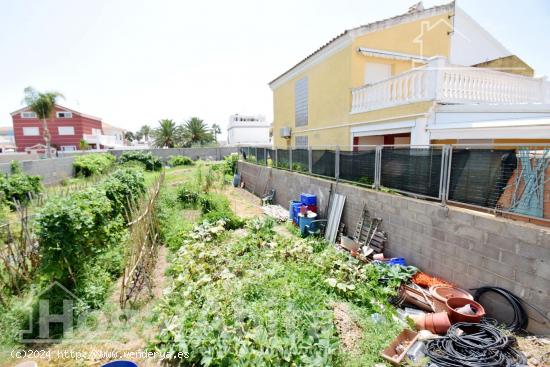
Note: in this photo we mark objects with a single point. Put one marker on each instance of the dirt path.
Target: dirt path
(350, 333)
(243, 203)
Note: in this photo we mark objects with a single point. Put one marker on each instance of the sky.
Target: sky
(134, 62)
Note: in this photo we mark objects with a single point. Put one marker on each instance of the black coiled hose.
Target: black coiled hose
(474, 345)
(521, 319)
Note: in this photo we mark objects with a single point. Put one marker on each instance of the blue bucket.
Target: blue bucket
(305, 221)
(120, 364)
(295, 211)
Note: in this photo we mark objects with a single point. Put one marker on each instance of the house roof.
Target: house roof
(109, 126)
(60, 107)
(375, 26)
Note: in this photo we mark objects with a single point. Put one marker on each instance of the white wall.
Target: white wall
(471, 44)
(248, 135)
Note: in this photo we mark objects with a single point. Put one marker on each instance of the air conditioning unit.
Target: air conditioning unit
(285, 132)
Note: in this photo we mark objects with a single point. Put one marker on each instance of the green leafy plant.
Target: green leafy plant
(151, 162)
(180, 160)
(19, 187)
(15, 167)
(123, 188)
(230, 163)
(93, 164)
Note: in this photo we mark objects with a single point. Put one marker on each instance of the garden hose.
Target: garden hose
(474, 345)
(520, 319)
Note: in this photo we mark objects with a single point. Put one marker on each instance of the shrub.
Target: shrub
(187, 196)
(74, 229)
(15, 167)
(230, 163)
(19, 187)
(180, 160)
(93, 164)
(151, 162)
(123, 188)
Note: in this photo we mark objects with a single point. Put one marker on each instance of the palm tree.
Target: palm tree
(129, 136)
(166, 135)
(43, 104)
(145, 132)
(216, 130)
(195, 131)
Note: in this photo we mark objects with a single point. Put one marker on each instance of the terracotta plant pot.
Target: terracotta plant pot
(454, 303)
(444, 292)
(419, 321)
(438, 323)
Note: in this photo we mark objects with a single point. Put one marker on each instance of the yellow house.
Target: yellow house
(427, 76)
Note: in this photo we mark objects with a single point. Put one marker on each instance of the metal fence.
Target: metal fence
(503, 178)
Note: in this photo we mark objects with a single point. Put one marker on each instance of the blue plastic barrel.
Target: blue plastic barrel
(295, 211)
(291, 208)
(120, 364)
(308, 199)
(305, 221)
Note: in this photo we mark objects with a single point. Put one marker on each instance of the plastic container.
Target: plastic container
(120, 364)
(393, 354)
(397, 261)
(312, 208)
(236, 179)
(416, 352)
(454, 303)
(291, 206)
(305, 220)
(308, 199)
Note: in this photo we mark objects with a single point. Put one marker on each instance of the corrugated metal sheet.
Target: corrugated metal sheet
(334, 215)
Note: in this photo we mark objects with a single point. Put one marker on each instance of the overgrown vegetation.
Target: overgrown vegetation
(180, 160)
(151, 162)
(93, 164)
(18, 187)
(264, 299)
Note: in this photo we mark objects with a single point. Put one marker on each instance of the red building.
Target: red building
(67, 127)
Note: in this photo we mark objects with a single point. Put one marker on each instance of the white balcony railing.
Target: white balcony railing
(450, 84)
(110, 141)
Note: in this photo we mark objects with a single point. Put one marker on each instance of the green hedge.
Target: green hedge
(151, 162)
(93, 164)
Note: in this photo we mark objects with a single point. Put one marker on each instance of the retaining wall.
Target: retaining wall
(467, 247)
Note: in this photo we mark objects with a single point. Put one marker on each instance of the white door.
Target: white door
(375, 72)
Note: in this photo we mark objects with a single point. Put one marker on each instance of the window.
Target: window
(64, 114)
(28, 115)
(65, 130)
(68, 148)
(300, 102)
(31, 131)
(375, 72)
(301, 142)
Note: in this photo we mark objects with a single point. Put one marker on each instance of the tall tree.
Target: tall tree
(129, 136)
(43, 104)
(166, 135)
(215, 131)
(145, 132)
(195, 131)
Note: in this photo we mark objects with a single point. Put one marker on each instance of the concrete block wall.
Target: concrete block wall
(469, 248)
(52, 171)
(213, 154)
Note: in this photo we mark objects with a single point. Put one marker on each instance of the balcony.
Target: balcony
(108, 141)
(438, 81)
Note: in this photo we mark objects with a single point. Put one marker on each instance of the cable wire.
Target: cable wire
(520, 319)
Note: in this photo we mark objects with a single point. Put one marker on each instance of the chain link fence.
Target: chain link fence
(514, 179)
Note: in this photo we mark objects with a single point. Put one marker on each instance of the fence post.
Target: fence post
(276, 163)
(256, 155)
(309, 160)
(448, 173)
(290, 158)
(337, 163)
(443, 175)
(265, 157)
(377, 166)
